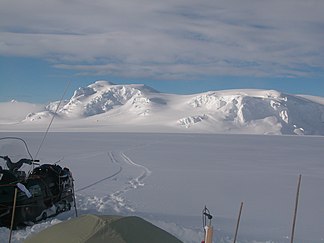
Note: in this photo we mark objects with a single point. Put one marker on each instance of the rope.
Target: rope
(4, 185)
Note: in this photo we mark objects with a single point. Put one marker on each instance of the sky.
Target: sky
(174, 46)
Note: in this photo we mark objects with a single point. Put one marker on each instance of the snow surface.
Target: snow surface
(104, 106)
(168, 179)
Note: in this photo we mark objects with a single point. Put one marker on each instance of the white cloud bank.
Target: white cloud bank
(13, 112)
(168, 39)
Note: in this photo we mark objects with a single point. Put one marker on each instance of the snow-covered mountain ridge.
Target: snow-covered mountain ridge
(100, 97)
(135, 106)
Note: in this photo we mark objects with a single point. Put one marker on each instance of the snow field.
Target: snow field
(169, 178)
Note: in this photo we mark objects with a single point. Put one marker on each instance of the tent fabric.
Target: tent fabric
(91, 228)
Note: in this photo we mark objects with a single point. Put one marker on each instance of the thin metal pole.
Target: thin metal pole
(13, 214)
(238, 222)
(295, 211)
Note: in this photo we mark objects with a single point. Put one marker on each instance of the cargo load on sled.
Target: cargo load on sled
(37, 191)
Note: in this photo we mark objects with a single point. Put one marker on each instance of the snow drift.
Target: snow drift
(105, 106)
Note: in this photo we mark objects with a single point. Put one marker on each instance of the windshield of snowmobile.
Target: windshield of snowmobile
(14, 155)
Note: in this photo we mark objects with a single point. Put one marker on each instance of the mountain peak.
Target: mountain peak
(101, 84)
(103, 96)
(233, 111)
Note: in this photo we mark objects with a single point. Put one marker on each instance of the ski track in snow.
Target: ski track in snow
(117, 197)
(138, 181)
(116, 201)
(106, 178)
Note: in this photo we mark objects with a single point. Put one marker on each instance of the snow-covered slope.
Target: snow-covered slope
(105, 106)
(258, 111)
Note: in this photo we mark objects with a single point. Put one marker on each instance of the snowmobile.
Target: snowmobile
(37, 191)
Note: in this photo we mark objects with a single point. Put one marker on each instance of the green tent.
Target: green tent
(108, 229)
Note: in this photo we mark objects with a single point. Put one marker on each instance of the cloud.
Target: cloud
(168, 39)
(14, 111)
